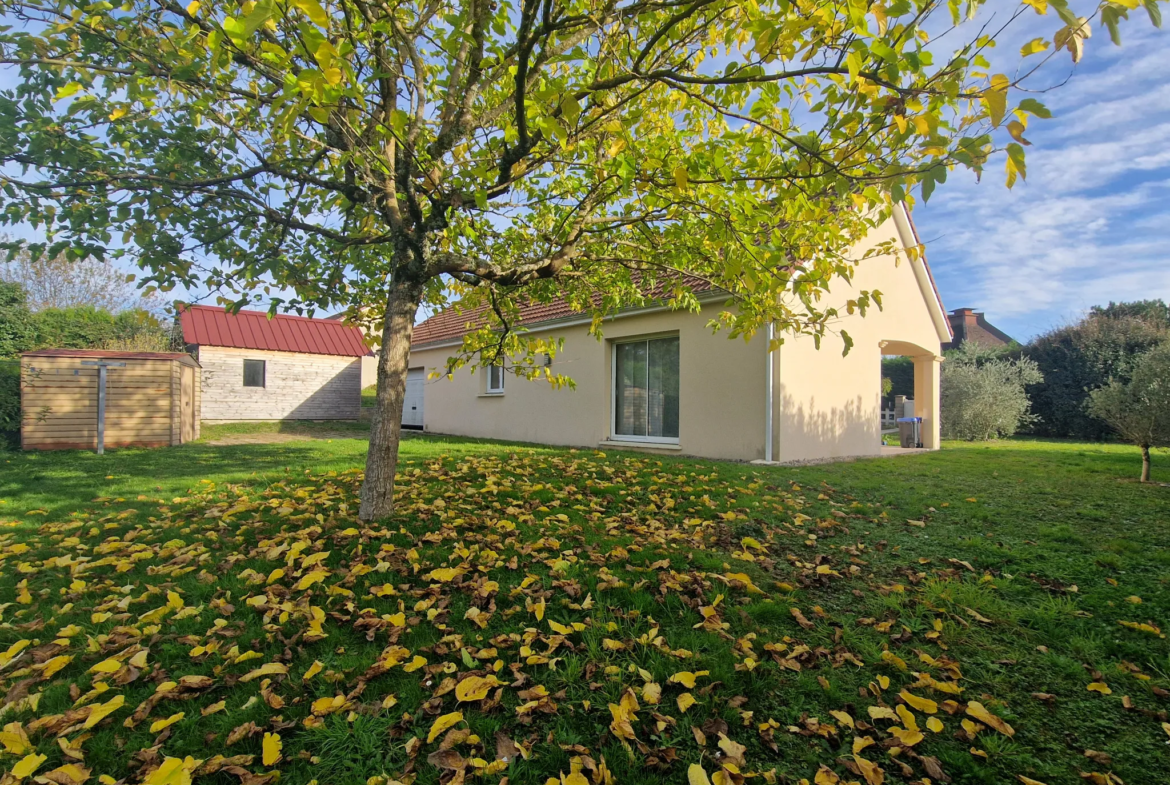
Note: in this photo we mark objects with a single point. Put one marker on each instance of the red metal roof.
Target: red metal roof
(206, 325)
(108, 354)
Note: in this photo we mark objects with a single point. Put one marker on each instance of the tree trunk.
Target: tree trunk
(393, 362)
(1145, 463)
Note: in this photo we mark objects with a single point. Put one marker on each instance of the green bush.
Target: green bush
(17, 324)
(1082, 357)
(9, 403)
(900, 372)
(983, 394)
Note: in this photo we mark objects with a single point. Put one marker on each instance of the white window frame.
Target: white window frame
(614, 436)
(488, 389)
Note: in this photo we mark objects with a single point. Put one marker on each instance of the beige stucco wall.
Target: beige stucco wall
(297, 386)
(824, 405)
(828, 405)
(369, 371)
(721, 390)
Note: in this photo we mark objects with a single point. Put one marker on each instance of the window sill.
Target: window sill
(491, 395)
(629, 444)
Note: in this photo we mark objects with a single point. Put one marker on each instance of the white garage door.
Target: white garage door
(412, 407)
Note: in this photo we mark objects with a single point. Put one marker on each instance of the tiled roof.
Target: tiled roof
(451, 324)
(206, 325)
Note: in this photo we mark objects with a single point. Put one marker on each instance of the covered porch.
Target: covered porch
(927, 375)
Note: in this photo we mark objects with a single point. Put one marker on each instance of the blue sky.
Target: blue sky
(1092, 222)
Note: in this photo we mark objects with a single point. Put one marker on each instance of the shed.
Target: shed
(151, 401)
(258, 366)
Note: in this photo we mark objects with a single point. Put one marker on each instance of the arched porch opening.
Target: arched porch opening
(927, 373)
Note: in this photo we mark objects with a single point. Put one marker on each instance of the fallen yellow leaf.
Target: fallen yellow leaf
(443, 723)
(271, 747)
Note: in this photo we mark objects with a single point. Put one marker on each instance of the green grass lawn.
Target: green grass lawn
(370, 395)
(532, 612)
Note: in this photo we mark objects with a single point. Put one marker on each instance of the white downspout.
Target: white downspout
(768, 395)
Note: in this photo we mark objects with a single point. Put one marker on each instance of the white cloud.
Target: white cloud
(1092, 222)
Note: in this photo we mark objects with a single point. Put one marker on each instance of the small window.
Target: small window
(495, 379)
(254, 373)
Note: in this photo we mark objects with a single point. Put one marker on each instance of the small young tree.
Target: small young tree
(1139, 410)
(983, 394)
(1080, 357)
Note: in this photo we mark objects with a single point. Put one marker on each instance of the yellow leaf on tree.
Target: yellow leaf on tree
(314, 11)
(443, 723)
(272, 747)
(1033, 47)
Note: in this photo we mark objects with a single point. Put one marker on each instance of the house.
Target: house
(257, 367)
(370, 361)
(967, 324)
(660, 381)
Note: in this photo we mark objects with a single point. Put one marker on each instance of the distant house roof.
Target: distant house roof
(110, 354)
(967, 324)
(452, 324)
(205, 325)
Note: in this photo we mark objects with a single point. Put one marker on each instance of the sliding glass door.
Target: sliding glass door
(646, 389)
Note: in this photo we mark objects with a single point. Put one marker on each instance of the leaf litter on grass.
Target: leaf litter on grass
(632, 617)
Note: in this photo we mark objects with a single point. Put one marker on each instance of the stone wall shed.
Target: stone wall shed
(282, 367)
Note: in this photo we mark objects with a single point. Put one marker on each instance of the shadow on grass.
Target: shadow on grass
(60, 482)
